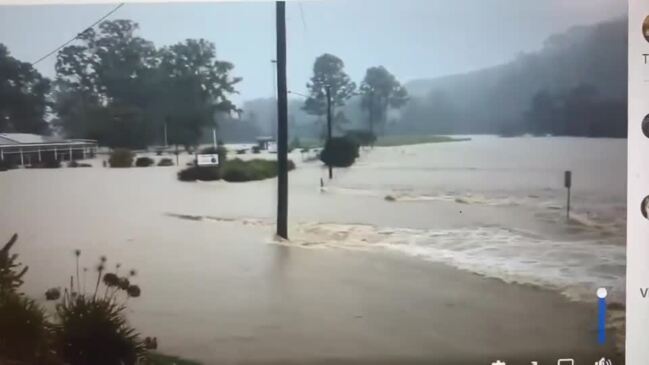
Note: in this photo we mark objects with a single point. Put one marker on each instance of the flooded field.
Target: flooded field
(215, 281)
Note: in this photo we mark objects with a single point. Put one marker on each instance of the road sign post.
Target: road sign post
(567, 183)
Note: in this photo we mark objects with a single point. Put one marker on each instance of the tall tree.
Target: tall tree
(105, 76)
(192, 87)
(328, 71)
(116, 87)
(380, 90)
(23, 96)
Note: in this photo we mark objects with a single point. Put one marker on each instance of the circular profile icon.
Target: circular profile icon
(644, 207)
(645, 28)
(645, 126)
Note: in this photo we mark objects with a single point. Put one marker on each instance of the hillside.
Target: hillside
(487, 100)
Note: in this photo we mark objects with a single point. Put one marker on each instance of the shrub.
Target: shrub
(144, 162)
(95, 331)
(92, 327)
(166, 162)
(361, 137)
(11, 271)
(24, 331)
(239, 171)
(23, 326)
(74, 163)
(339, 152)
(46, 164)
(121, 157)
(7, 165)
(193, 173)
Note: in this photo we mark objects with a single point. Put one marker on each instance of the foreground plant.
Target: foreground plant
(92, 328)
(24, 331)
(11, 271)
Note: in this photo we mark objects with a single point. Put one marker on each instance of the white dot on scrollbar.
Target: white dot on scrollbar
(602, 293)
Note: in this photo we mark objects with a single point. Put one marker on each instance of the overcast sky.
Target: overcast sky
(411, 38)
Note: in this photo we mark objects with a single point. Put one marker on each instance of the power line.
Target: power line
(78, 34)
(302, 16)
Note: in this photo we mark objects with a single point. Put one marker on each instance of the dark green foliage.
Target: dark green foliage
(23, 96)
(193, 173)
(11, 271)
(46, 164)
(380, 90)
(53, 294)
(237, 170)
(24, 331)
(95, 331)
(328, 70)
(579, 112)
(74, 163)
(116, 87)
(361, 137)
(166, 162)
(23, 327)
(339, 152)
(121, 157)
(7, 165)
(144, 162)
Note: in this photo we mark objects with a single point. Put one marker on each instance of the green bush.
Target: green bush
(6, 164)
(235, 170)
(121, 157)
(193, 173)
(166, 162)
(339, 152)
(91, 328)
(74, 163)
(239, 171)
(144, 162)
(46, 164)
(11, 271)
(24, 331)
(95, 331)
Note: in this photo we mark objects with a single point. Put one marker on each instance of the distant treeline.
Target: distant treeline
(117, 87)
(575, 85)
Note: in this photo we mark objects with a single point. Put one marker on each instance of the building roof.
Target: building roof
(22, 138)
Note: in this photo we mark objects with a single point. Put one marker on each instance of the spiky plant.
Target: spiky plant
(92, 328)
(24, 330)
(11, 271)
(95, 331)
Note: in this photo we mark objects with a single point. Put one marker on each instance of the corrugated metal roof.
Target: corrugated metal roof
(19, 138)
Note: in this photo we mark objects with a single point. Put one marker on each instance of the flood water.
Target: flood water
(492, 205)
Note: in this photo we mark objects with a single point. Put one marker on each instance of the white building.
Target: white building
(26, 149)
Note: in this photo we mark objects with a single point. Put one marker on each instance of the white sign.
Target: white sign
(207, 160)
(272, 147)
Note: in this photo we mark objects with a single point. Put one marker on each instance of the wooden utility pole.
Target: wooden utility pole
(282, 123)
(328, 90)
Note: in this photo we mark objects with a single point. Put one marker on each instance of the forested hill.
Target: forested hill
(575, 85)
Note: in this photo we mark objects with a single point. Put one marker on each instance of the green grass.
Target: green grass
(386, 141)
(160, 359)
